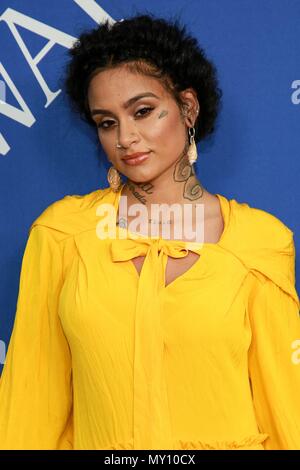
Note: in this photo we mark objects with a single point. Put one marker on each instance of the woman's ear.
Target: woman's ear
(190, 106)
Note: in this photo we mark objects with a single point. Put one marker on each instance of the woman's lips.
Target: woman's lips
(137, 160)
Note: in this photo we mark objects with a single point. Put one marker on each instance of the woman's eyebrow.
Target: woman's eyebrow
(126, 104)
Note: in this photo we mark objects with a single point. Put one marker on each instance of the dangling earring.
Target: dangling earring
(192, 152)
(113, 177)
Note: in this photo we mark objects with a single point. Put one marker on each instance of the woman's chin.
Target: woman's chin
(140, 175)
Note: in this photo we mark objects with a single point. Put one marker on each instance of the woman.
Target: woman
(125, 340)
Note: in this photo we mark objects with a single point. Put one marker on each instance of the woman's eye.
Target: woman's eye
(142, 109)
(148, 109)
(101, 125)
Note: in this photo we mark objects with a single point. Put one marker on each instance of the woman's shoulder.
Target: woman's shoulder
(263, 243)
(255, 227)
(72, 213)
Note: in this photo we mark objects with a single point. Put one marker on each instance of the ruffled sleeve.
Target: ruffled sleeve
(36, 382)
(274, 354)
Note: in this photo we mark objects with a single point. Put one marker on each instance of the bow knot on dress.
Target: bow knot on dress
(125, 249)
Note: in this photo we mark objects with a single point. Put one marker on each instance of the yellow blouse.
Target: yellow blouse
(101, 357)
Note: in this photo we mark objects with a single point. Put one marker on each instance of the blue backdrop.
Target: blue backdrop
(47, 152)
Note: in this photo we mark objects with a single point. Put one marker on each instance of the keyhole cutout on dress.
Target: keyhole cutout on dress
(175, 267)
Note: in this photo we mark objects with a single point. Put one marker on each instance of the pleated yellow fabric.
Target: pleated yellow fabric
(101, 357)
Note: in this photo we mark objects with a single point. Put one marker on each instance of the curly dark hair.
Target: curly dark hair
(148, 45)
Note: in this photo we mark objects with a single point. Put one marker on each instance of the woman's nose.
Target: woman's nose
(127, 134)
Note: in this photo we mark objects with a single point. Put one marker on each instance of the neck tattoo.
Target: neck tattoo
(183, 173)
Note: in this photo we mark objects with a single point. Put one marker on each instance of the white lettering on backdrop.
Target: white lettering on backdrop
(13, 18)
